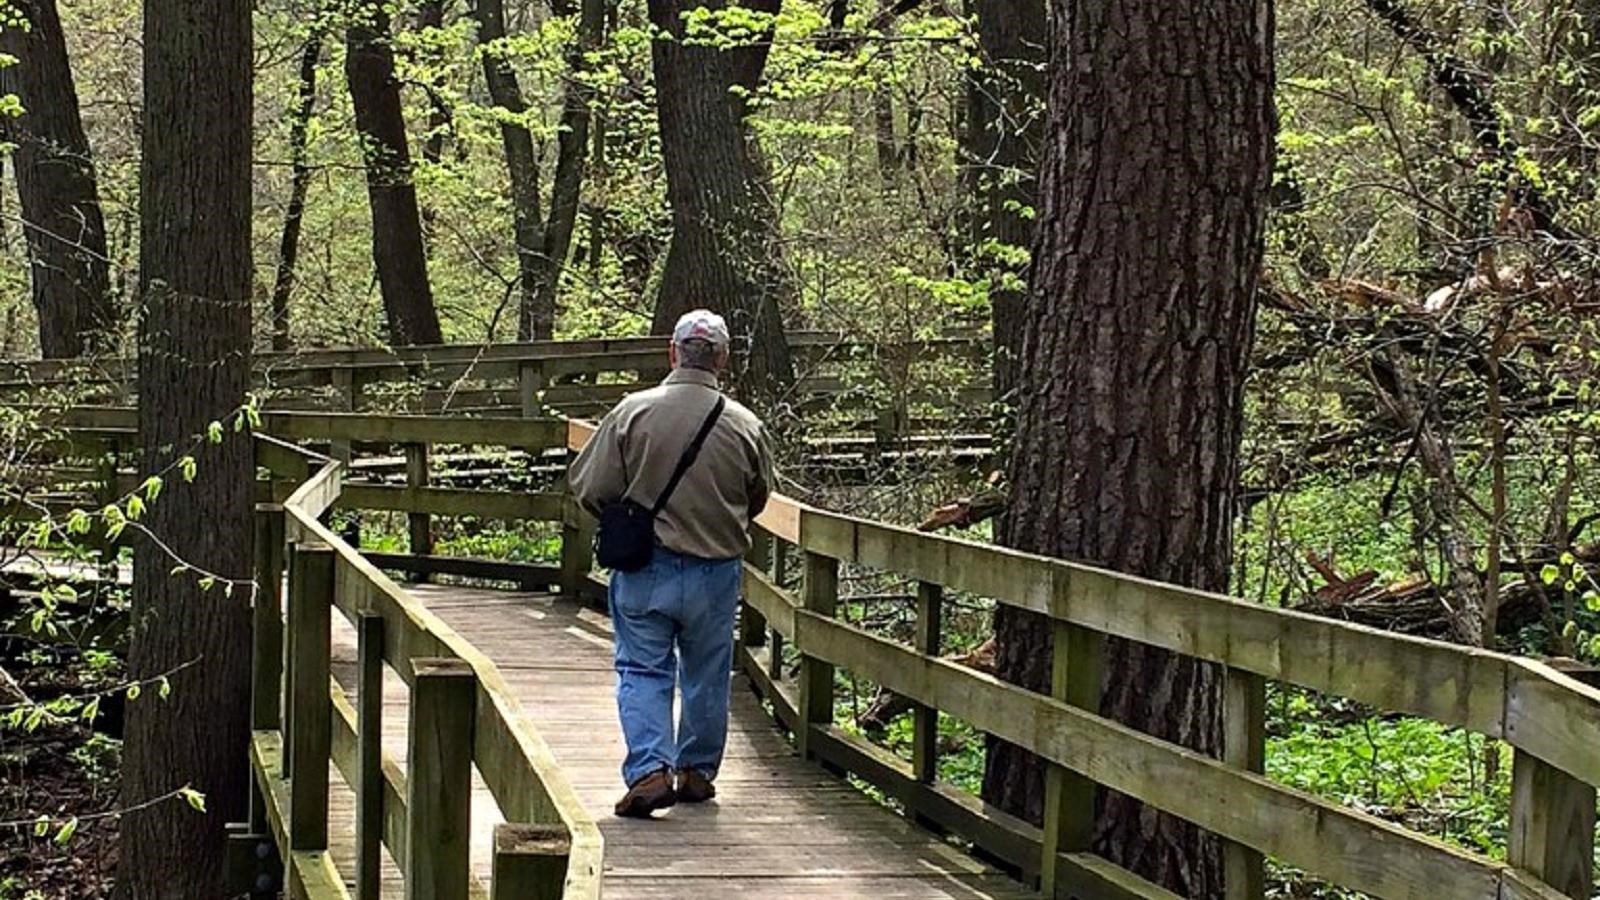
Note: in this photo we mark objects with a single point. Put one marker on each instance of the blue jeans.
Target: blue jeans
(673, 622)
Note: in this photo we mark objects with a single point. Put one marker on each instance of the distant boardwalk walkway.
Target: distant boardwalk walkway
(781, 827)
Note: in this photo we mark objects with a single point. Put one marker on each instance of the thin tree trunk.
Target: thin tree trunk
(194, 367)
(523, 167)
(725, 252)
(300, 181)
(1154, 190)
(572, 150)
(398, 248)
(431, 15)
(63, 224)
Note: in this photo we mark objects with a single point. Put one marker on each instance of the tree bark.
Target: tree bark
(725, 253)
(1154, 189)
(63, 223)
(398, 249)
(300, 182)
(194, 367)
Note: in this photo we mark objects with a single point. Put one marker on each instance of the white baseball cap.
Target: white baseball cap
(701, 325)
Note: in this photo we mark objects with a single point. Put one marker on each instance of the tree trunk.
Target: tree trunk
(523, 167)
(397, 246)
(65, 230)
(194, 367)
(1154, 189)
(1000, 160)
(300, 181)
(725, 252)
(572, 150)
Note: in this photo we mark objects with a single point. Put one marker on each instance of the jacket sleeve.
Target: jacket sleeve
(764, 479)
(598, 477)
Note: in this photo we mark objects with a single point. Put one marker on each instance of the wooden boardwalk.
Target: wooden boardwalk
(781, 826)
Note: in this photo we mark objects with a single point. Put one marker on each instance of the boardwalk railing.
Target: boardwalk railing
(462, 714)
(1552, 721)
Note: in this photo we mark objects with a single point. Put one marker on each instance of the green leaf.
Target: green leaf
(187, 467)
(194, 798)
(135, 508)
(134, 691)
(1549, 574)
(214, 432)
(152, 488)
(208, 582)
(164, 689)
(64, 836)
(1591, 599)
(1568, 559)
(90, 710)
(41, 827)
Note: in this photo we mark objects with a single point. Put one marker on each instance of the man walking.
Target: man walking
(673, 618)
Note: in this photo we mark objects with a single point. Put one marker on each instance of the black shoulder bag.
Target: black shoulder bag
(627, 537)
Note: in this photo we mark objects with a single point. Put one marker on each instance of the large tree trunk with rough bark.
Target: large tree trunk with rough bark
(398, 249)
(194, 367)
(300, 182)
(65, 230)
(1000, 158)
(725, 252)
(1153, 190)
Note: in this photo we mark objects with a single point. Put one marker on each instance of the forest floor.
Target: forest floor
(59, 772)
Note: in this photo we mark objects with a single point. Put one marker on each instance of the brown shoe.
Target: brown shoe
(647, 795)
(694, 787)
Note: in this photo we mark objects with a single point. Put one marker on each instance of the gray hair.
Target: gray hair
(697, 353)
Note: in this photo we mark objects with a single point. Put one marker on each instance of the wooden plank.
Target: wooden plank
(487, 504)
(528, 576)
(439, 780)
(1077, 662)
(501, 432)
(1086, 876)
(1552, 826)
(530, 862)
(820, 597)
(752, 624)
(1244, 715)
(346, 758)
(775, 606)
(309, 737)
(781, 518)
(1000, 834)
(310, 874)
(1343, 846)
(419, 525)
(1555, 717)
(925, 719)
(266, 620)
(369, 781)
(577, 548)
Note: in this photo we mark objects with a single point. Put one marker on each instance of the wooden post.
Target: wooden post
(1244, 725)
(310, 739)
(530, 862)
(821, 596)
(1552, 825)
(266, 659)
(753, 625)
(577, 550)
(421, 525)
(1077, 658)
(369, 740)
(780, 574)
(530, 382)
(925, 719)
(346, 395)
(439, 780)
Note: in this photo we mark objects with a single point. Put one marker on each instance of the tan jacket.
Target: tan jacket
(639, 443)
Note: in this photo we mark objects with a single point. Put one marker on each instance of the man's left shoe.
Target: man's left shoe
(647, 795)
(694, 787)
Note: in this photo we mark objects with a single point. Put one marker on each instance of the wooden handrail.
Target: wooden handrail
(514, 761)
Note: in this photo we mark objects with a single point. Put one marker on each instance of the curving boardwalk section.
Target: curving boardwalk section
(781, 826)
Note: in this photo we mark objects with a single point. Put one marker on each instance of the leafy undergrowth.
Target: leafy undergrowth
(52, 775)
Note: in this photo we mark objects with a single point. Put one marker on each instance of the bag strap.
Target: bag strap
(689, 454)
